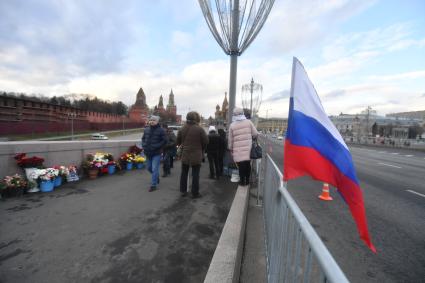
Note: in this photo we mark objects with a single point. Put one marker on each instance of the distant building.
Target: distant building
(139, 111)
(368, 124)
(220, 116)
(418, 115)
(272, 125)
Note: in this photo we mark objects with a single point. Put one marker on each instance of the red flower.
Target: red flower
(27, 162)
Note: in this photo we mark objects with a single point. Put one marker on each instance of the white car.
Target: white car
(280, 137)
(99, 137)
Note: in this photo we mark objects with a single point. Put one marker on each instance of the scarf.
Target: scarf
(240, 117)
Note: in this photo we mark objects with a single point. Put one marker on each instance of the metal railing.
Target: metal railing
(294, 251)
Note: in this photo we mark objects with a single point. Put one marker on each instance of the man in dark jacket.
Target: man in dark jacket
(169, 150)
(153, 140)
(193, 140)
(213, 148)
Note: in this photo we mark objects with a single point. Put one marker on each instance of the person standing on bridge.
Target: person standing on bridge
(169, 150)
(221, 150)
(212, 152)
(241, 133)
(193, 140)
(153, 140)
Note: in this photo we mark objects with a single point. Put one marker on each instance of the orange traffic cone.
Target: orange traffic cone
(325, 192)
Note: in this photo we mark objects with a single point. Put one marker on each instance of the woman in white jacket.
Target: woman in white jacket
(241, 133)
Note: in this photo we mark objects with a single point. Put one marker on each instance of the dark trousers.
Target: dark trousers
(220, 163)
(166, 165)
(171, 160)
(213, 162)
(244, 172)
(195, 178)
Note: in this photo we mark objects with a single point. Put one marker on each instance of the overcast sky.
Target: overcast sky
(357, 53)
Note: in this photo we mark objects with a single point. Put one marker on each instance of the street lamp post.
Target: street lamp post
(72, 115)
(252, 97)
(234, 25)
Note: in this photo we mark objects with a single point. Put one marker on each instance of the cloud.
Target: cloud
(278, 96)
(335, 93)
(288, 27)
(401, 76)
(379, 39)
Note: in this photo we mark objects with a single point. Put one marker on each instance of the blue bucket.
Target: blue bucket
(140, 165)
(129, 165)
(58, 181)
(111, 169)
(46, 186)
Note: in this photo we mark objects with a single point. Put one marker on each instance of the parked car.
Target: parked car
(98, 136)
(280, 137)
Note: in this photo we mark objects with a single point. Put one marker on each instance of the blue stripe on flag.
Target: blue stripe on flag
(310, 133)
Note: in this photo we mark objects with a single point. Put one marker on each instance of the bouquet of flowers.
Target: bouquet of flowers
(47, 174)
(63, 171)
(95, 161)
(28, 162)
(12, 186)
(127, 157)
(15, 182)
(139, 159)
(72, 174)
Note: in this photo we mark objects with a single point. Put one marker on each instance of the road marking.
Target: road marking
(394, 153)
(390, 165)
(409, 155)
(413, 192)
(382, 152)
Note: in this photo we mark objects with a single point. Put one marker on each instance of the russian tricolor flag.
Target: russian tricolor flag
(314, 147)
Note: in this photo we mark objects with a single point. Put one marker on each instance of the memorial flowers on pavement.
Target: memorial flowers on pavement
(28, 162)
(14, 182)
(139, 159)
(127, 157)
(47, 174)
(63, 171)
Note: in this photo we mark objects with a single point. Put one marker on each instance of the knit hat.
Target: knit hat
(211, 129)
(155, 118)
(237, 111)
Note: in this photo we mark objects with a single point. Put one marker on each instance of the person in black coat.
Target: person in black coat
(153, 141)
(169, 150)
(212, 152)
(221, 150)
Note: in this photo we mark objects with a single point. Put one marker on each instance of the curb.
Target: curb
(226, 262)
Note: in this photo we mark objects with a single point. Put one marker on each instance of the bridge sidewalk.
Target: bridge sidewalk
(253, 268)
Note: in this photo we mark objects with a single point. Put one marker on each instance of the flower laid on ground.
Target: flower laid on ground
(127, 157)
(14, 182)
(47, 174)
(28, 162)
(139, 159)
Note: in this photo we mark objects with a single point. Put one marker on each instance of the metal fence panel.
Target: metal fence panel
(294, 251)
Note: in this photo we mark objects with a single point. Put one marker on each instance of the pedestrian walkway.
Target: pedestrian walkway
(112, 229)
(253, 268)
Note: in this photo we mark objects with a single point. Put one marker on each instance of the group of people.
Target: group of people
(193, 143)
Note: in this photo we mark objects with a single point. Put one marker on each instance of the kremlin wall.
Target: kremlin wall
(23, 116)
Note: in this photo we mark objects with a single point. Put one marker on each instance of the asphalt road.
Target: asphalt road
(393, 184)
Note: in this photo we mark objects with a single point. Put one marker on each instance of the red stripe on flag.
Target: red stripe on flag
(302, 160)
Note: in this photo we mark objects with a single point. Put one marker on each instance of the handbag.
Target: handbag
(256, 150)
